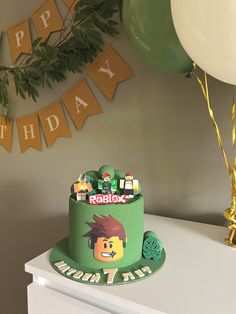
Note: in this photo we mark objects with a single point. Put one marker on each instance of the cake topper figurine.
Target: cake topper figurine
(82, 187)
(107, 185)
(129, 185)
(107, 238)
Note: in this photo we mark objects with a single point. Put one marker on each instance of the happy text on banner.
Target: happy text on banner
(47, 19)
(19, 39)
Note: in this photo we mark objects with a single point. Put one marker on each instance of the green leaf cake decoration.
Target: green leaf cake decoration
(152, 247)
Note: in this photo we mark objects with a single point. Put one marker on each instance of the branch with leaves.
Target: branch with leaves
(77, 45)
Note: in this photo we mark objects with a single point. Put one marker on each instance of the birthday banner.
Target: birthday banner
(107, 71)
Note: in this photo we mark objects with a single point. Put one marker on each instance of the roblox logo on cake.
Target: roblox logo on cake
(107, 199)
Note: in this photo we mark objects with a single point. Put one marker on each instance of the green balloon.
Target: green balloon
(149, 27)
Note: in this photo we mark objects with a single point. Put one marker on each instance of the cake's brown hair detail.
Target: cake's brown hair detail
(105, 226)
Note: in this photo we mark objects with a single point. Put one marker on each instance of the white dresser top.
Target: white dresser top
(197, 277)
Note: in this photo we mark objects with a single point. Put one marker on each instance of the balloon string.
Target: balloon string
(233, 121)
(205, 91)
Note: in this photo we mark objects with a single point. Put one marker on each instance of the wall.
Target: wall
(157, 127)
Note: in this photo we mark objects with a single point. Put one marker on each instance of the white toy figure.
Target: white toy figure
(128, 185)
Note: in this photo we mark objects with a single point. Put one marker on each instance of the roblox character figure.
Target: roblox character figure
(107, 185)
(107, 238)
(82, 187)
(128, 185)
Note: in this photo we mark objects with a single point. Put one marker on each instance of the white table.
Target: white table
(198, 277)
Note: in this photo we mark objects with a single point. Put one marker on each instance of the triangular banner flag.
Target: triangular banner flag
(54, 123)
(19, 39)
(109, 69)
(29, 132)
(6, 133)
(81, 103)
(47, 19)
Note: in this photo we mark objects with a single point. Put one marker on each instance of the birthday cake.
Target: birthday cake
(106, 242)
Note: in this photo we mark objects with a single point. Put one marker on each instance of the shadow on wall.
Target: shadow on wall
(22, 239)
(20, 242)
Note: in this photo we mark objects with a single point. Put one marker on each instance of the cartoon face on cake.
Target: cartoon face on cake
(107, 238)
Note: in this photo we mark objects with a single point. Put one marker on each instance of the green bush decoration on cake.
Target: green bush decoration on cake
(92, 173)
(93, 177)
(119, 174)
(108, 169)
(152, 246)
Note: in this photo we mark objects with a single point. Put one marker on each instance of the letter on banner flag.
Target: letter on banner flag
(19, 39)
(5, 133)
(47, 19)
(109, 69)
(54, 123)
(81, 103)
(71, 5)
(29, 132)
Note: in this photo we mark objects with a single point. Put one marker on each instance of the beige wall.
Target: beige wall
(157, 127)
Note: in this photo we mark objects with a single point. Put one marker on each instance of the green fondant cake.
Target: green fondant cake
(106, 242)
(130, 215)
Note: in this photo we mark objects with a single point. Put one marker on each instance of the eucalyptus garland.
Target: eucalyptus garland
(78, 44)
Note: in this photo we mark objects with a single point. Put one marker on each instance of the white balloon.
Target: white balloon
(207, 31)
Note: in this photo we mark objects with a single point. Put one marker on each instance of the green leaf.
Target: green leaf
(48, 83)
(36, 42)
(29, 60)
(3, 68)
(152, 248)
(83, 14)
